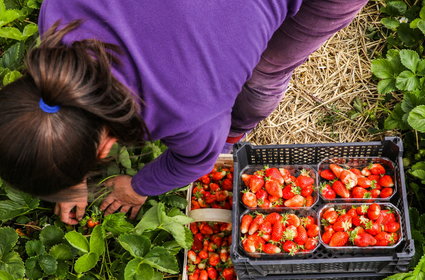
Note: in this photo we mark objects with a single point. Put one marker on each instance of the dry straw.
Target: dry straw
(318, 105)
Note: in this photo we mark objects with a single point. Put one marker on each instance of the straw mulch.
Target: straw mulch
(318, 106)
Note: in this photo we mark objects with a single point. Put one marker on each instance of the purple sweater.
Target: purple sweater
(188, 60)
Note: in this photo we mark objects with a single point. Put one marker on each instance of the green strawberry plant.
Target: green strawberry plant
(34, 244)
(18, 31)
(401, 75)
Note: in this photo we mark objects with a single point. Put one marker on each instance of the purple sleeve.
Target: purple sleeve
(188, 157)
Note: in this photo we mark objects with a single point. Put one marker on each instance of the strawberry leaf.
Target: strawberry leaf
(409, 59)
(97, 240)
(407, 80)
(86, 262)
(162, 260)
(136, 245)
(78, 241)
(416, 118)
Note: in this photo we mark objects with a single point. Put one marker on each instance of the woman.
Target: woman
(191, 73)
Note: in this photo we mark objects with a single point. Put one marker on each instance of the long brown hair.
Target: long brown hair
(43, 153)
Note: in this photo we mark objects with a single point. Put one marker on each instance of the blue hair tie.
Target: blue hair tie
(47, 108)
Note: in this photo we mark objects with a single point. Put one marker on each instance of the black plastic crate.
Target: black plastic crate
(322, 261)
(345, 276)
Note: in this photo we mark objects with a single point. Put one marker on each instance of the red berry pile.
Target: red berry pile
(209, 255)
(361, 226)
(213, 190)
(367, 183)
(278, 187)
(278, 233)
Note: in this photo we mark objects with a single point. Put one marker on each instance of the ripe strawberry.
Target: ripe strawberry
(327, 192)
(261, 194)
(327, 235)
(274, 199)
(366, 172)
(358, 192)
(307, 191)
(289, 191)
(386, 192)
(270, 248)
(194, 275)
(296, 201)
(273, 188)
(274, 174)
(224, 255)
(227, 184)
(213, 259)
(290, 232)
(307, 221)
(265, 227)
(301, 235)
(376, 169)
(330, 215)
(203, 254)
(340, 189)
(343, 225)
(255, 224)
(304, 181)
(249, 199)
(245, 179)
(336, 169)
(277, 231)
(352, 212)
(205, 179)
(245, 222)
(287, 177)
(375, 193)
(218, 175)
(348, 178)
(311, 243)
(364, 182)
(391, 227)
(309, 201)
(203, 275)
(313, 230)
(290, 247)
(205, 228)
(384, 239)
(362, 210)
(273, 218)
(364, 240)
(212, 273)
(292, 219)
(386, 181)
(373, 228)
(339, 239)
(255, 183)
(265, 203)
(191, 255)
(374, 211)
(228, 273)
(327, 174)
(357, 172)
(386, 217)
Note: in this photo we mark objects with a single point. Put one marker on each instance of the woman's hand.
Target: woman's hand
(122, 196)
(77, 199)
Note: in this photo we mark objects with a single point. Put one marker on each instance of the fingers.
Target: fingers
(80, 210)
(114, 206)
(108, 200)
(135, 211)
(125, 208)
(56, 211)
(65, 214)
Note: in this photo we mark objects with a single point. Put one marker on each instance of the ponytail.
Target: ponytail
(43, 152)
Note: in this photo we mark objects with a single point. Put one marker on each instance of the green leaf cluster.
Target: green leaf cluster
(406, 23)
(18, 31)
